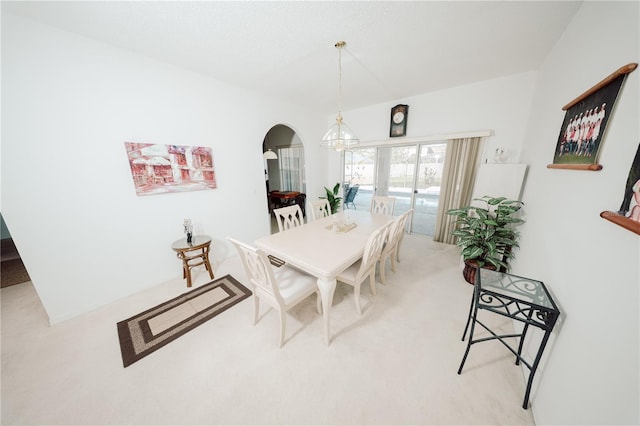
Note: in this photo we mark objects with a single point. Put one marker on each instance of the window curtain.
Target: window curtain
(290, 162)
(458, 176)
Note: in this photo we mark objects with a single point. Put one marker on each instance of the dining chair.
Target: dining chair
(408, 215)
(351, 196)
(282, 288)
(382, 205)
(319, 209)
(357, 273)
(289, 217)
(392, 243)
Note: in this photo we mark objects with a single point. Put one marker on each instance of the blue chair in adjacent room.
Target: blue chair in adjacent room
(351, 195)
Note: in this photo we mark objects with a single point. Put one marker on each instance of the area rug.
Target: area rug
(150, 330)
(13, 272)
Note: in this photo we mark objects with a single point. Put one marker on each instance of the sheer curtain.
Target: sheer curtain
(291, 171)
(458, 177)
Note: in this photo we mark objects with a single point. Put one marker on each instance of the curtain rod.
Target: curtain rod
(430, 138)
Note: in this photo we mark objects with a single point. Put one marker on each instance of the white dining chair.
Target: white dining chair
(392, 243)
(319, 209)
(282, 288)
(357, 273)
(408, 214)
(289, 217)
(382, 205)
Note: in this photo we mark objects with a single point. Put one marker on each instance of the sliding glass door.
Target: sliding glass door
(427, 188)
(411, 174)
(359, 170)
(395, 175)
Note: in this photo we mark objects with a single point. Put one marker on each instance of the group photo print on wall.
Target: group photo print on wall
(585, 122)
(628, 216)
(630, 206)
(584, 125)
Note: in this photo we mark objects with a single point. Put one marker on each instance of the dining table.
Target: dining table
(324, 248)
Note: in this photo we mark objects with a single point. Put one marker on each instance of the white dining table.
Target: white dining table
(324, 252)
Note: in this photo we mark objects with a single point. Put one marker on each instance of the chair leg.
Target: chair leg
(318, 302)
(394, 255)
(383, 266)
(256, 309)
(372, 282)
(356, 295)
(283, 325)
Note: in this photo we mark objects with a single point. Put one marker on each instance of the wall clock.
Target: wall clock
(398, 125)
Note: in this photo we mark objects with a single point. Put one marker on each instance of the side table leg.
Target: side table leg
(470, 341)
(534, 367)
(207, 265)
(521, 344)
(187, 272)
(466, 327)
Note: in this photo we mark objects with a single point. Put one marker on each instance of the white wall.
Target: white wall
(590, 371)
(501, 105)
(68, 105)
(591, 265)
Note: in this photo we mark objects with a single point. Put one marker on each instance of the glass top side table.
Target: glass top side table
(521, 299)
(192, 254)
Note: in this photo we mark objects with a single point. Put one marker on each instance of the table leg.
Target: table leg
(207, 265)
(327, 288)
(466, 327)
(187, 272)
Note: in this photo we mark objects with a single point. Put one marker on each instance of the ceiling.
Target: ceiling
(395, 49)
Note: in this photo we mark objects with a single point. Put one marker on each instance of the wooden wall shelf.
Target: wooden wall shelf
(625, 69)
(625, 222)
(591, 167)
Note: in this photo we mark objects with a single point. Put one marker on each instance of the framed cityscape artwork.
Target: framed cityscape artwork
(157, 169)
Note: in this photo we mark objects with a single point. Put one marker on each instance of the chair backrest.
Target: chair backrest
(393, 236)
(395, 231)
(403, 218)
(289, 217)
(351, 194)
(372, 250)
(383, 205)
(319, 209)
(260, 272)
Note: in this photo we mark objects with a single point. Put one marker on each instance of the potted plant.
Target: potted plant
(486, 233)
(332, 197)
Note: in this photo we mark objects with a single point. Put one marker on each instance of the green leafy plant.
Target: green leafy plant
(486, 234)
(332, 197)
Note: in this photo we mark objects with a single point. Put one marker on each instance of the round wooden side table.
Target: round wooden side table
(192, 254)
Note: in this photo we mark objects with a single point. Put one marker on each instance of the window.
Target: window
(291, 164)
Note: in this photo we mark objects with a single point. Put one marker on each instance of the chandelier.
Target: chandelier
(340, 136)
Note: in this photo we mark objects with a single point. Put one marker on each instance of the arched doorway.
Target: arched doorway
(284, 169)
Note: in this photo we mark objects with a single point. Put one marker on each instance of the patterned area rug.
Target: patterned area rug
(150, 330)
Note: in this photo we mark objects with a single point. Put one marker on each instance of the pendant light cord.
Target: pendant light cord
(340, 45)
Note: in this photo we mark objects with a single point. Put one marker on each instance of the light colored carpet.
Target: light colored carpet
(396, 364)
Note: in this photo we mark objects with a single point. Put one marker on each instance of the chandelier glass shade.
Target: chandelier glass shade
(339, 136)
